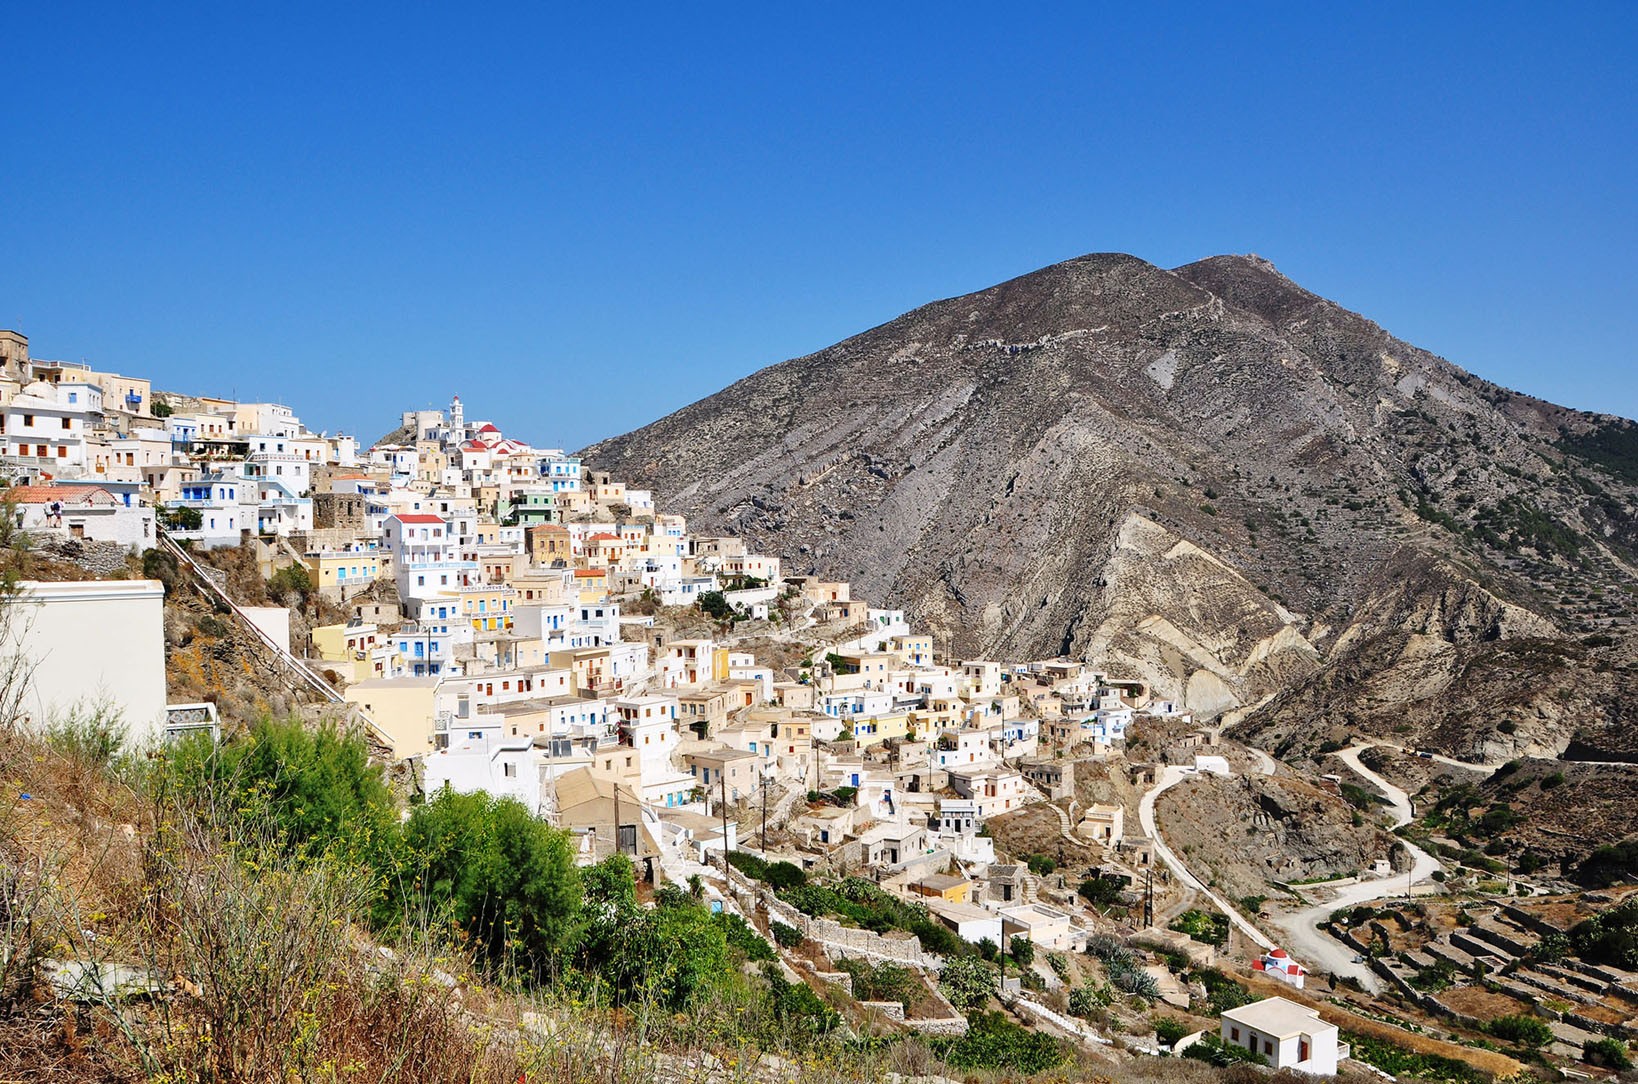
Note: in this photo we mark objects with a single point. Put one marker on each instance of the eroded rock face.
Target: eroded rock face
(1207, 477)
(1244, 831)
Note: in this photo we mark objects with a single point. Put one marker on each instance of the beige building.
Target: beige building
(402, 708)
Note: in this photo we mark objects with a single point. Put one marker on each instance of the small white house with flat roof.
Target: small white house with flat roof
(1286, 1035)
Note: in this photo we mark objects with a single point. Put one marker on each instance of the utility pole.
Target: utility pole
(764, 814)
(1149, 897)
(727, 870)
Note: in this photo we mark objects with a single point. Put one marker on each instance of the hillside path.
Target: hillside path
(1170, 776)
(1318, 950)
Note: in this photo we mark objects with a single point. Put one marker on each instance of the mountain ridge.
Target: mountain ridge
(1208, 475)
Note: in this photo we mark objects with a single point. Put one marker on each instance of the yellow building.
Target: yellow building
(943, 886)
(874, 729)
(341, 570)
(402, 708)
(350, 648)
(592, 584)
(488, 608)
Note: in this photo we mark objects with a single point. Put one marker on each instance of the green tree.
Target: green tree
(1022, 950)
(180, 517)
(669, 954)
(715, 604)
(1100, 891)
(506, 878)
(967, 982)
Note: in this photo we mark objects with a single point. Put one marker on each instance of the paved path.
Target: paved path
(1319, 951)
(1399, 801)
(1265, 763)
(1170, 776)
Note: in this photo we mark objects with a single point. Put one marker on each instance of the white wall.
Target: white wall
(274, 621)
(91, 641)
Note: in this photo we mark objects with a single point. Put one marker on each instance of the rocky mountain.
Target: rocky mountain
(1210, 478)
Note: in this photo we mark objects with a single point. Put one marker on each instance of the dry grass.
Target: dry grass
(1480, 1003)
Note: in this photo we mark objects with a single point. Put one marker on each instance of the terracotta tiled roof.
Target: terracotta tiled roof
(66, 494)
(403, 518)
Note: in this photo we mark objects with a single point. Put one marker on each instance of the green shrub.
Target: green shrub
(291, 580)
(1222, 992)
(1207, 927)
(1040, 865)
(993, 1041)
(967, 982)
(315, 789)
(1608, 1053)
(1610, 937)
(786, 936)
(504, 876)
(1169, 1029)
(882, 981)
(749, 864)
(782, 875)
(1526, 1031)
(1397, 1061)
(1609, 865)
(1100, 891)
(1086, 1000)
(799, 1013)
(715, 604)
(1212, 1050)
(739, 934)
(1022, 950)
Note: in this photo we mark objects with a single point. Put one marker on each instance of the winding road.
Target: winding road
(1317, 950)
(1170, 776)
(1398, 800)
(1322, 951)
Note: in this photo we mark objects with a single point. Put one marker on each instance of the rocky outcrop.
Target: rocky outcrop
(1244, 832)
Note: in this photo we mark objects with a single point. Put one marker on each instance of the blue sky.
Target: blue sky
(583, 219)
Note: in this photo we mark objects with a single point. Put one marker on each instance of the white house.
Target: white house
(424, 555)
(85, 511)
(90, 644)
(1286, 1035)
(46, 425)
(219, 500)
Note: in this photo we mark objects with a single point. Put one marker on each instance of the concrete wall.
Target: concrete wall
(274, 621)
(89, 642)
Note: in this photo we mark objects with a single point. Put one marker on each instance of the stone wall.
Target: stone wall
(844, 940)
(340, 510)
(101, 559)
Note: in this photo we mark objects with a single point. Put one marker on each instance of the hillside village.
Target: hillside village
(496, 617)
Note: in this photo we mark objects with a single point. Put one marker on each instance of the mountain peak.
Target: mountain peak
(1252, 283)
